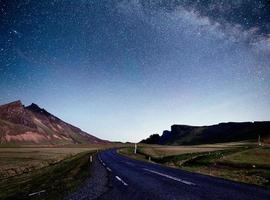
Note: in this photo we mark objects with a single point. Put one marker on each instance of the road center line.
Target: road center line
(170, 177)
(119, 179)
(100, 159)
(34, 193)
(108, 169)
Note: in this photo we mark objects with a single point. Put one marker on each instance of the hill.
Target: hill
(34, 125)
(219, 133)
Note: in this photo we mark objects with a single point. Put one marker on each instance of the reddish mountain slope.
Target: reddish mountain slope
(33, 125)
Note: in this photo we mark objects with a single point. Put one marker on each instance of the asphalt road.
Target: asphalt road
(132, 179)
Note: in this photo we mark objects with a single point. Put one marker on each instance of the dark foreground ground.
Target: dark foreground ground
(119, 177)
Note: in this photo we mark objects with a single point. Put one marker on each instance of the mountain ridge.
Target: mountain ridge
(217, 133)
(31, 124)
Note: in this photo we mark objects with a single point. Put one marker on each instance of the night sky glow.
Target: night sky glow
(124, 69)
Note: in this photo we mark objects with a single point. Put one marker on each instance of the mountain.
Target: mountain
(223, 132)
(34, 125)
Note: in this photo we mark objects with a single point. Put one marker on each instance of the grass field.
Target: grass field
(243, 162)
(54, 181)
(15, 161)
(163, 151)
(55, 171)
(19, 160)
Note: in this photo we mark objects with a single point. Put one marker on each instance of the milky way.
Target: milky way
(125, 69)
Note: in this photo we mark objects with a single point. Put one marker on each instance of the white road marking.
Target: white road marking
(170, 177)
(102, 162)
(119, 179)
(34, 193)
(109, 169)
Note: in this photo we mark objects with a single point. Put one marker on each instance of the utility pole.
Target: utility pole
(135, 148)
(259, 141)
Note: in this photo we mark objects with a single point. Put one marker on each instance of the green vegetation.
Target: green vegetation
(239, 162)
(55, 180)
(258, 157)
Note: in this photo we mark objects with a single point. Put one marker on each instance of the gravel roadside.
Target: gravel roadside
(94, 186)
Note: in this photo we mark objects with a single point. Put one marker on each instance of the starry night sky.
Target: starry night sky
(124, 69)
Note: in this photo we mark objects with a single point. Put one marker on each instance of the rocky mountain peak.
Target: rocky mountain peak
(13, 105)
(34, 125)
(36, 109)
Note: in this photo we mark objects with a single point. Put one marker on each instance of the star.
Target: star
(138, 63)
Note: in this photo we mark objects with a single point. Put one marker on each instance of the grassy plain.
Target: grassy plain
(55, 171)
(15, 161)
(162, 151)
(242, 162)
(54, 181)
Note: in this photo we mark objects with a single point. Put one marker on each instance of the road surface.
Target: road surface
(132, 179)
